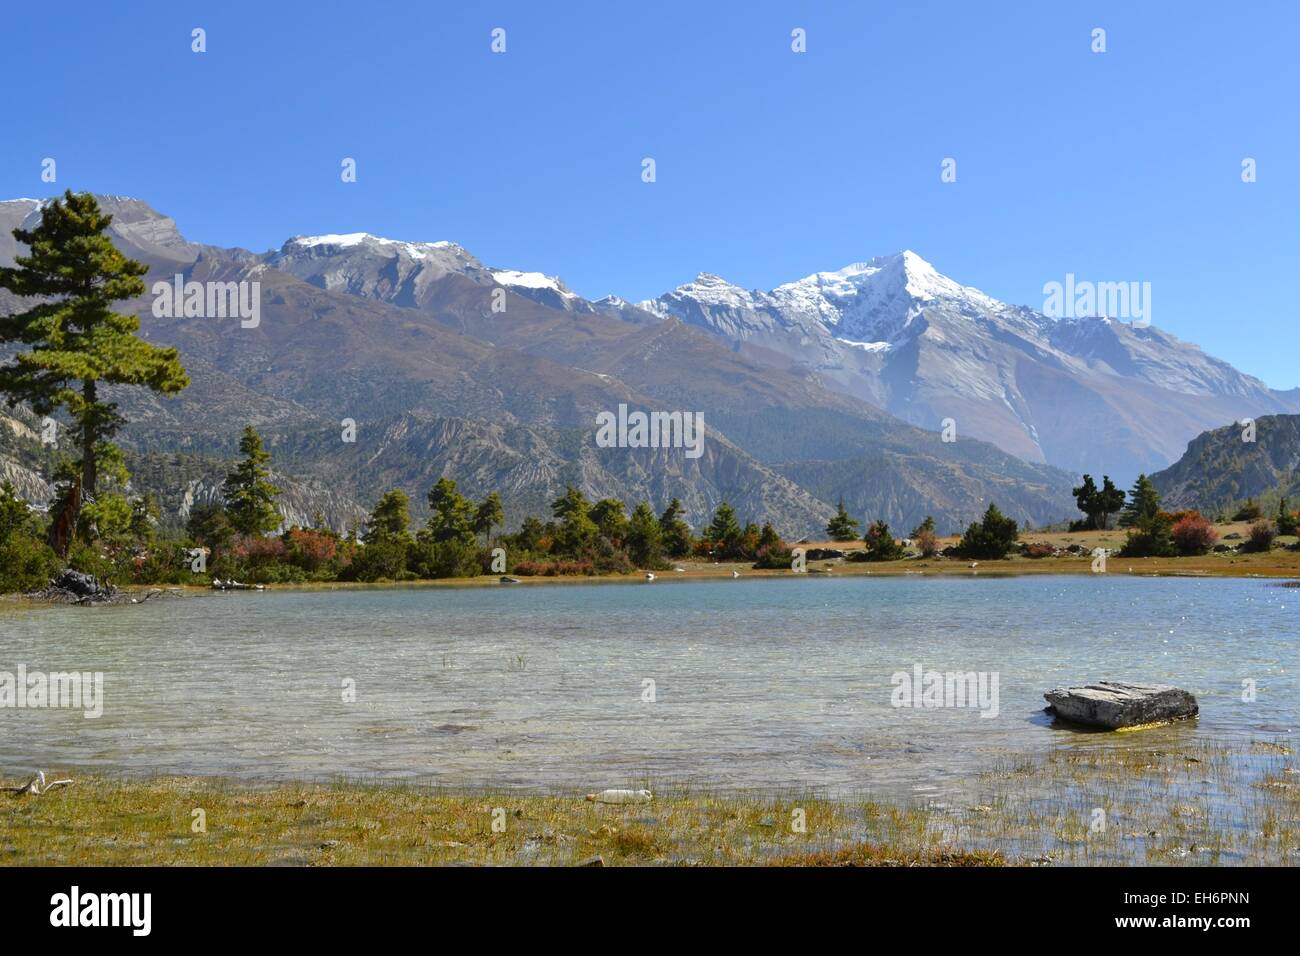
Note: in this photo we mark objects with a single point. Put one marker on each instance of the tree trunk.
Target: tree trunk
(89, 472)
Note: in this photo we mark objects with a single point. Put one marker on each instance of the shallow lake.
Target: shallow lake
(768, 684)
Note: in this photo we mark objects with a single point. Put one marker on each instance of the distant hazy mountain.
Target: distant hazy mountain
(403, 338)
(1088, 394)
(1220, 469)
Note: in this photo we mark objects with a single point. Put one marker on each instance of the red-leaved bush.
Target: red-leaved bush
(1193, 534)
(251, 549)
(310, 550)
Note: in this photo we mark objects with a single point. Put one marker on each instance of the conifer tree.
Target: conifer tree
(1144, 502)
(76, 343)
(488, 515)
(644, 538)
(674, 532)
(451, 516)
(842, 527)
(725, 528)
(576, 527)
(391, 519)
(1110, 499)
(250, 498)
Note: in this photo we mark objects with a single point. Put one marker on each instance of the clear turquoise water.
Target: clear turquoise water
(766, 684)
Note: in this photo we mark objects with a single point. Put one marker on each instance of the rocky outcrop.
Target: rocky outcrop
(1115, 705)
(76, 587)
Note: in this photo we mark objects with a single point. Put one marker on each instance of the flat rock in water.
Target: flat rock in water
(1114, 704)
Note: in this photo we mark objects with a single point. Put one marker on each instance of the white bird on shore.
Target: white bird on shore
(735, 574)
(649, 576)
(974, 564)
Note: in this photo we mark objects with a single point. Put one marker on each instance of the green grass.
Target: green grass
(1189, 804)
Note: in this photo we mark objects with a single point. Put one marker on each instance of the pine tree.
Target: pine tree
(78, 343)
(611, 518)
(1144, 502)
(644, 544)
(1085, 497)
(725, 528)
(576, 527)
(387, 539)
(880, 544)
(926, 526)
(990, 538)
(1110, 500)
(451, 516)
(842, 527)
(391, 519)
(488, 515)
(1286, 520)
(674, 532)
(250, 498)
(530, 534)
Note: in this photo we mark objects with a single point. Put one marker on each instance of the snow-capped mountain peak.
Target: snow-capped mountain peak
(534, 281)
(335, 242)
(864, 303)
(876, 300)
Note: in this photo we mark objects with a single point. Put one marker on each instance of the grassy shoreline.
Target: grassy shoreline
(1275, 565)
(1184, 803)
(1281, 562)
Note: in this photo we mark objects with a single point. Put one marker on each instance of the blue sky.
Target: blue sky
(1118, 166)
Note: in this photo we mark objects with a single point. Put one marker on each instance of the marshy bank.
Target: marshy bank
(1200, 804)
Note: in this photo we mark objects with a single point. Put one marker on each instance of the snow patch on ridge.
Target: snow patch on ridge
(348, 240)
(868, 346)
(531, 280)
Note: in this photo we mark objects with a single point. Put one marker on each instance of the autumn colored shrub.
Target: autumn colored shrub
(1193, 534)
(254, 549)
(310, 550)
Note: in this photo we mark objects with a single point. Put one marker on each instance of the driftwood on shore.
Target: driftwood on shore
(77, 588)
(232, 585)
(37, 785)
(1115, 705)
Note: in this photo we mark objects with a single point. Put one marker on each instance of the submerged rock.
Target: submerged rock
(1114, 704)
